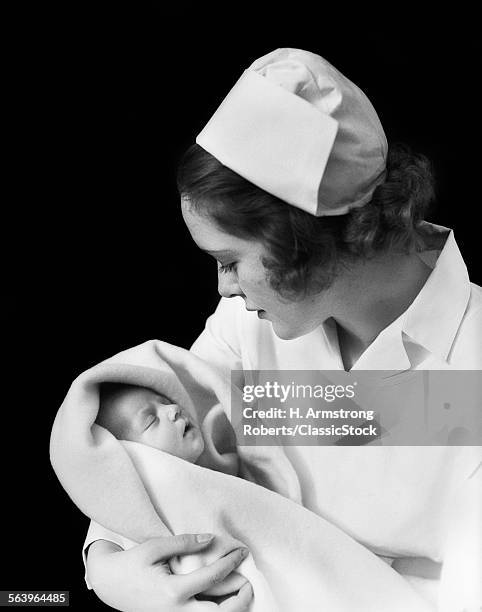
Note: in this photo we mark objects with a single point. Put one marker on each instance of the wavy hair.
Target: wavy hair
(304, 253)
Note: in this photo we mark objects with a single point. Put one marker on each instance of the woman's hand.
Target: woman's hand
(140, 580)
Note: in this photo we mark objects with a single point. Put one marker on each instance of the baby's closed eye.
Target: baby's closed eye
(150, 421)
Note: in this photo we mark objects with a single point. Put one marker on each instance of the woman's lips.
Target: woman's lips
(258, 310)
(261, 314)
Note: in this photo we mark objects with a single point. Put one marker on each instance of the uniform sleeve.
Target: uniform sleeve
(461, 586)
(97, 532)
(220, 342)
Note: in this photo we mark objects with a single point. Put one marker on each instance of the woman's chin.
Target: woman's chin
(285, 331)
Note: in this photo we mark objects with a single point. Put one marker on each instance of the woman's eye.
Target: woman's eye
(227, 267)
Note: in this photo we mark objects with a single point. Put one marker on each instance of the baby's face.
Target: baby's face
(140, 415)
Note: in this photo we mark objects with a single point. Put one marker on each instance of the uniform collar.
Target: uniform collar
(433, 318)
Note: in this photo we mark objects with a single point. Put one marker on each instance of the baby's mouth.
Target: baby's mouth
(187, 426)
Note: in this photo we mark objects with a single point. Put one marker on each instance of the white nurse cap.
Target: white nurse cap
(297, 128)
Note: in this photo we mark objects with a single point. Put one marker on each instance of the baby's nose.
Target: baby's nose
(173, 412)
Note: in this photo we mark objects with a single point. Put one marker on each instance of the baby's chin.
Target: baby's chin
(192, 445)
(197, 445)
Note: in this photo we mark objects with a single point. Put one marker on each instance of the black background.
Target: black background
(103, 99)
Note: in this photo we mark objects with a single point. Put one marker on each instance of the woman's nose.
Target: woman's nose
(228, 284)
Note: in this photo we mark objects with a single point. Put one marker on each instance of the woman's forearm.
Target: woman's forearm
(140, 578)
(96, 556)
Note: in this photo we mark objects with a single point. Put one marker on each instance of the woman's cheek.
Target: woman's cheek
(251, 281)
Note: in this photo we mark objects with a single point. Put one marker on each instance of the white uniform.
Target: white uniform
(395, 500)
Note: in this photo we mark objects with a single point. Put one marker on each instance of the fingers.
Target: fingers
(206, 577)
(240, 602)
(159, 549)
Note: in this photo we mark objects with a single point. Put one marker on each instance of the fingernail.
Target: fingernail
(204, 537)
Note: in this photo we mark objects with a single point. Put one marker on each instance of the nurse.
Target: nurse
(316, 224)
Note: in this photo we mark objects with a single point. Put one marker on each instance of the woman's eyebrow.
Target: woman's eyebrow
(218, 252)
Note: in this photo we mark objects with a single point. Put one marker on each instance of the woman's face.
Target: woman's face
(241, 273)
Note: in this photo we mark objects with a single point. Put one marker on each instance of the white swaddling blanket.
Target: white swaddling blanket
(298, 558)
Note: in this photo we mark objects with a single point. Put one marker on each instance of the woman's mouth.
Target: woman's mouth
(259, 311)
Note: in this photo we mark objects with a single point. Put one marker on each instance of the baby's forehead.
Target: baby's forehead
(129, 390)
(140, 396)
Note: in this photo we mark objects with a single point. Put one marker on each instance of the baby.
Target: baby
(138, 414)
